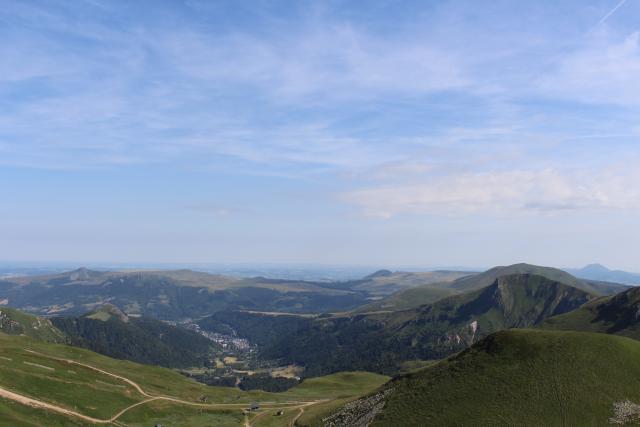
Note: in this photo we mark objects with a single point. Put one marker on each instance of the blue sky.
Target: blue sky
(381, 133)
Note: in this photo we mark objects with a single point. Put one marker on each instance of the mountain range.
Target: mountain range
(382, 341)
(170, 295)
(459, 345)
(600, 272)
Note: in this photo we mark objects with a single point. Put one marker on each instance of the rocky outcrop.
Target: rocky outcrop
(359, 413)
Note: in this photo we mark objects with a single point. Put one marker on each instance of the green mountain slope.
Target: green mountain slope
(382, 341)
(515, 301)
(408, 298)
(15, 322)
(91, 385)
(618, 314)
(485, 279)
(429, 293)
(385, 282)
(523, 378)
(110, 332)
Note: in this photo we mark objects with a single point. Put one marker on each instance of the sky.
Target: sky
(387, 133)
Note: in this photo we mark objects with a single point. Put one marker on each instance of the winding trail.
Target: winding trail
(73, 362)
(35, 403)
(292, 423)
(24, 400)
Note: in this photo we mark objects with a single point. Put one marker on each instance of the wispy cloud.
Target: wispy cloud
(503, 193)
(423, 110)
(602, 71)
(334, 62)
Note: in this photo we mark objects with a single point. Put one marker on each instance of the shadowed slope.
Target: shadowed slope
(521, 377)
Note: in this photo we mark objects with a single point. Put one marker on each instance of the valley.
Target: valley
(86, 388)
(116, 364)
(325, 213)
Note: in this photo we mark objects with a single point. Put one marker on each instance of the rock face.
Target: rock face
(625, 412)
(514, 301)
(14, 322)
(10, 326)
(359, 413)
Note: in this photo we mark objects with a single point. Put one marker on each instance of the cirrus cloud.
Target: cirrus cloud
(504, 192)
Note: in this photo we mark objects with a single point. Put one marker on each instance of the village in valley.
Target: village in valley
(237, 365)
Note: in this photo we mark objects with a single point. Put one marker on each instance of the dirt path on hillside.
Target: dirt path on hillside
(73, 362)
(292, 423)
(28, 401)
(24, 400)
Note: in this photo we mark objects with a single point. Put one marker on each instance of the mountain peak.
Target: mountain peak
(599, 268)
(380, 273)
(82, 274)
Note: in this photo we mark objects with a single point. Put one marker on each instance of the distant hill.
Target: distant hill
(15, 322)
(485, 279)
(516, 377)
(171, 295)
(379, 273)
(431, 292)
(382, 341)
(182, 294)
(602, 273)
(110, 332)
(408, 298)
(618, 314)
(385, 282)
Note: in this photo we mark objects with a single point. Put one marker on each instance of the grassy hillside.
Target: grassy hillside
(515, 301)
(429, 293)
(381, 342)
(408, 298)
(15, 322)
(485, 279)
(96, 386)
(385, 282)
(617, 314)
(523, 378)
(110, 332)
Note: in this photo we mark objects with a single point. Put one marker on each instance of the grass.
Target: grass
(313, 415)
(616, 314)
(269, 418)
(155, 380)
(521, 378)
(340, 388)
(337, 386)
(408, 298)
(77, 388)
(170, 414)
(29, 325)
(99, 395)
(16, 415)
